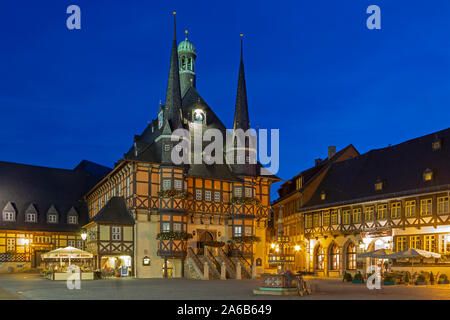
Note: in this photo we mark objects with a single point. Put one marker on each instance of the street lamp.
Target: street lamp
(83, 235)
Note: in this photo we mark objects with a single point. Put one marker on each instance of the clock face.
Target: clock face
(198, 116)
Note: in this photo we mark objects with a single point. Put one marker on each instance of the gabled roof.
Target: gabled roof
(399, 167)
(115, 211)
(26, 187)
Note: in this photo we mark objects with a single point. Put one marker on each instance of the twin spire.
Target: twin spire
(173, 93)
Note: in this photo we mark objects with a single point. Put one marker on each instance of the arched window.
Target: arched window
(183, 63)
(351, 256)
(335, 261)
(320, 258)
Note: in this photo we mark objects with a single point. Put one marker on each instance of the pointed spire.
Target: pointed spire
(173, 92)
(241, 119)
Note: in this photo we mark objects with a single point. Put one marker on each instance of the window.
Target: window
(119, 190)
(11, 244)
(299, 183)
(396, 210)
(323, 195)
(198, 195)
(80, 244)
(379, 185)
(72, 219)
(428, 175)
(382, 211)
(369, 213)
(429, 243)
(410, 208)
(128, 187)
(248, 230)
(346, 217)
(207, 195)
(248, 192)
(436, 145)
(160, 119)
(443, 205)
(326, 218)
(116, 233)
(8, 216)
(415, 242)
(357, 215)
(177, 227)
(401, 244)
(31, 217)
(320, 261)
(316, 220)
(444, 243)
(237, 231)
(167, 147)
(167, 184)
(425, 207)
(238, 192)
(178, 184)
(334, 217)
(217, 196)
(335, 257)
(309, 221)
(71, 243)
(351, 257)
(165, 227)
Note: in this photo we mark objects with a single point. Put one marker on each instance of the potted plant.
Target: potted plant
(389, 280)
(443, 279)
(420, 281)
(431, 278)
(347, 277)
(407, 278)
(358, 278)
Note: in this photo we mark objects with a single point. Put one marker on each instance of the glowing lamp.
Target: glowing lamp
(297, 248)
(272, 245)
(84, 236)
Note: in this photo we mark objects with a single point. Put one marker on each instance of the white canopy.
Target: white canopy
(377, 254)
(67, 253)
(413, 253)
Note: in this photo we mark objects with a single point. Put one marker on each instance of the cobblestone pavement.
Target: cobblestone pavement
(31, 286)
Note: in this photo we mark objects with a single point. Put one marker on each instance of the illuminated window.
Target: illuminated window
(238, 192)
(415, 242)
(326, 218)
(428, 175)
(207, 195)
(165, 227)
(401, 244)
(436, 145)
(425, 207)
(299, 183)
(410, 208)
(116, 233)
(217, 196)
(443, 205)
(346, 217)
(429, 243)
(237, 231)
(382, 211)
(357, 215)
(323, 195)
(248, 192)
(308, 221)
(351, 257)
(71, 243)
(335, 255)
(128, 186)
(396, 210)
(379, 185)
(198, 195)
(178, 184)
(11, 244)
(369, 214)
(167, 184)
(248, 230)
(320, 258)
(316, 219)
(444, 243)
(177, 227)
(334, 217)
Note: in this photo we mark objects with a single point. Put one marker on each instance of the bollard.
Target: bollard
(238, 270)
(223, 272)
(254, 270)
(205, 271)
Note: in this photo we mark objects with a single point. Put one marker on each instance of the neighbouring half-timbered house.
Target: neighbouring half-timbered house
(41, 210)
(188, 215)
(395, 197)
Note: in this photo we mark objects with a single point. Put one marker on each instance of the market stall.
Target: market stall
(61, 263)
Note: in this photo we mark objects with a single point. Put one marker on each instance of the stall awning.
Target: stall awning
(67, 253)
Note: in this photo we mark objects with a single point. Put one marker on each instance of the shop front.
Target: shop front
(116, 266)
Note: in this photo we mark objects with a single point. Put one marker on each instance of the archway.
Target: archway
(334, 254)
(319, 258)
(203, 237)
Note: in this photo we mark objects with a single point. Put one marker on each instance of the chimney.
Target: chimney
(317, 161)
(331, 151)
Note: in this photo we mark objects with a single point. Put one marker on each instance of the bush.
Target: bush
(431, 277)
(407, 277)
(443, 277)
(358, 276)
(389, 278)
(347, 277)
(421, 278)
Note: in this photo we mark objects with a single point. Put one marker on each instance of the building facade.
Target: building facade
(395, 198)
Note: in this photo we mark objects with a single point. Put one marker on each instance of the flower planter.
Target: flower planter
(444, 282)
(388, 283)
(357, 281)
(420, 283)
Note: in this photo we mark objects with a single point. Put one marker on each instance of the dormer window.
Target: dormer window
(323, 195)
(299, 183)
(9, 213)
(428, 175)
(52, 215)
(379, 185)
(31, 214)
(72, 216)
(436, 144)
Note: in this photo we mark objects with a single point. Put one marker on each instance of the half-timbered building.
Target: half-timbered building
(395, 197)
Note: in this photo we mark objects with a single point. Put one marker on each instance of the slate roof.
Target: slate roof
(399, 167)
(115, 211)
(23, 185)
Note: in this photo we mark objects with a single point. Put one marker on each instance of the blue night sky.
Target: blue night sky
(313, 70)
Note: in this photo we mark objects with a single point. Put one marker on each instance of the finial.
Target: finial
(174, 13)
(160, 102)
(185, 31)
(242, 35)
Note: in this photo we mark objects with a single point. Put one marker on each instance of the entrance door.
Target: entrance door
(36, 262)
(204, 236)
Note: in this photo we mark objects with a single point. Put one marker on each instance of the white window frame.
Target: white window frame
(9, 216)
(198, 195)
(237, 234)
(31, 217)
(167, 184)
(248, 192)
(72, 219)
(443, 205)
(207, 195)
(177, 227)
(238, 192)
(216, 196)
(178, 184)
(11, 244)
(165, 227)
(116, 233)
(426, 207)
